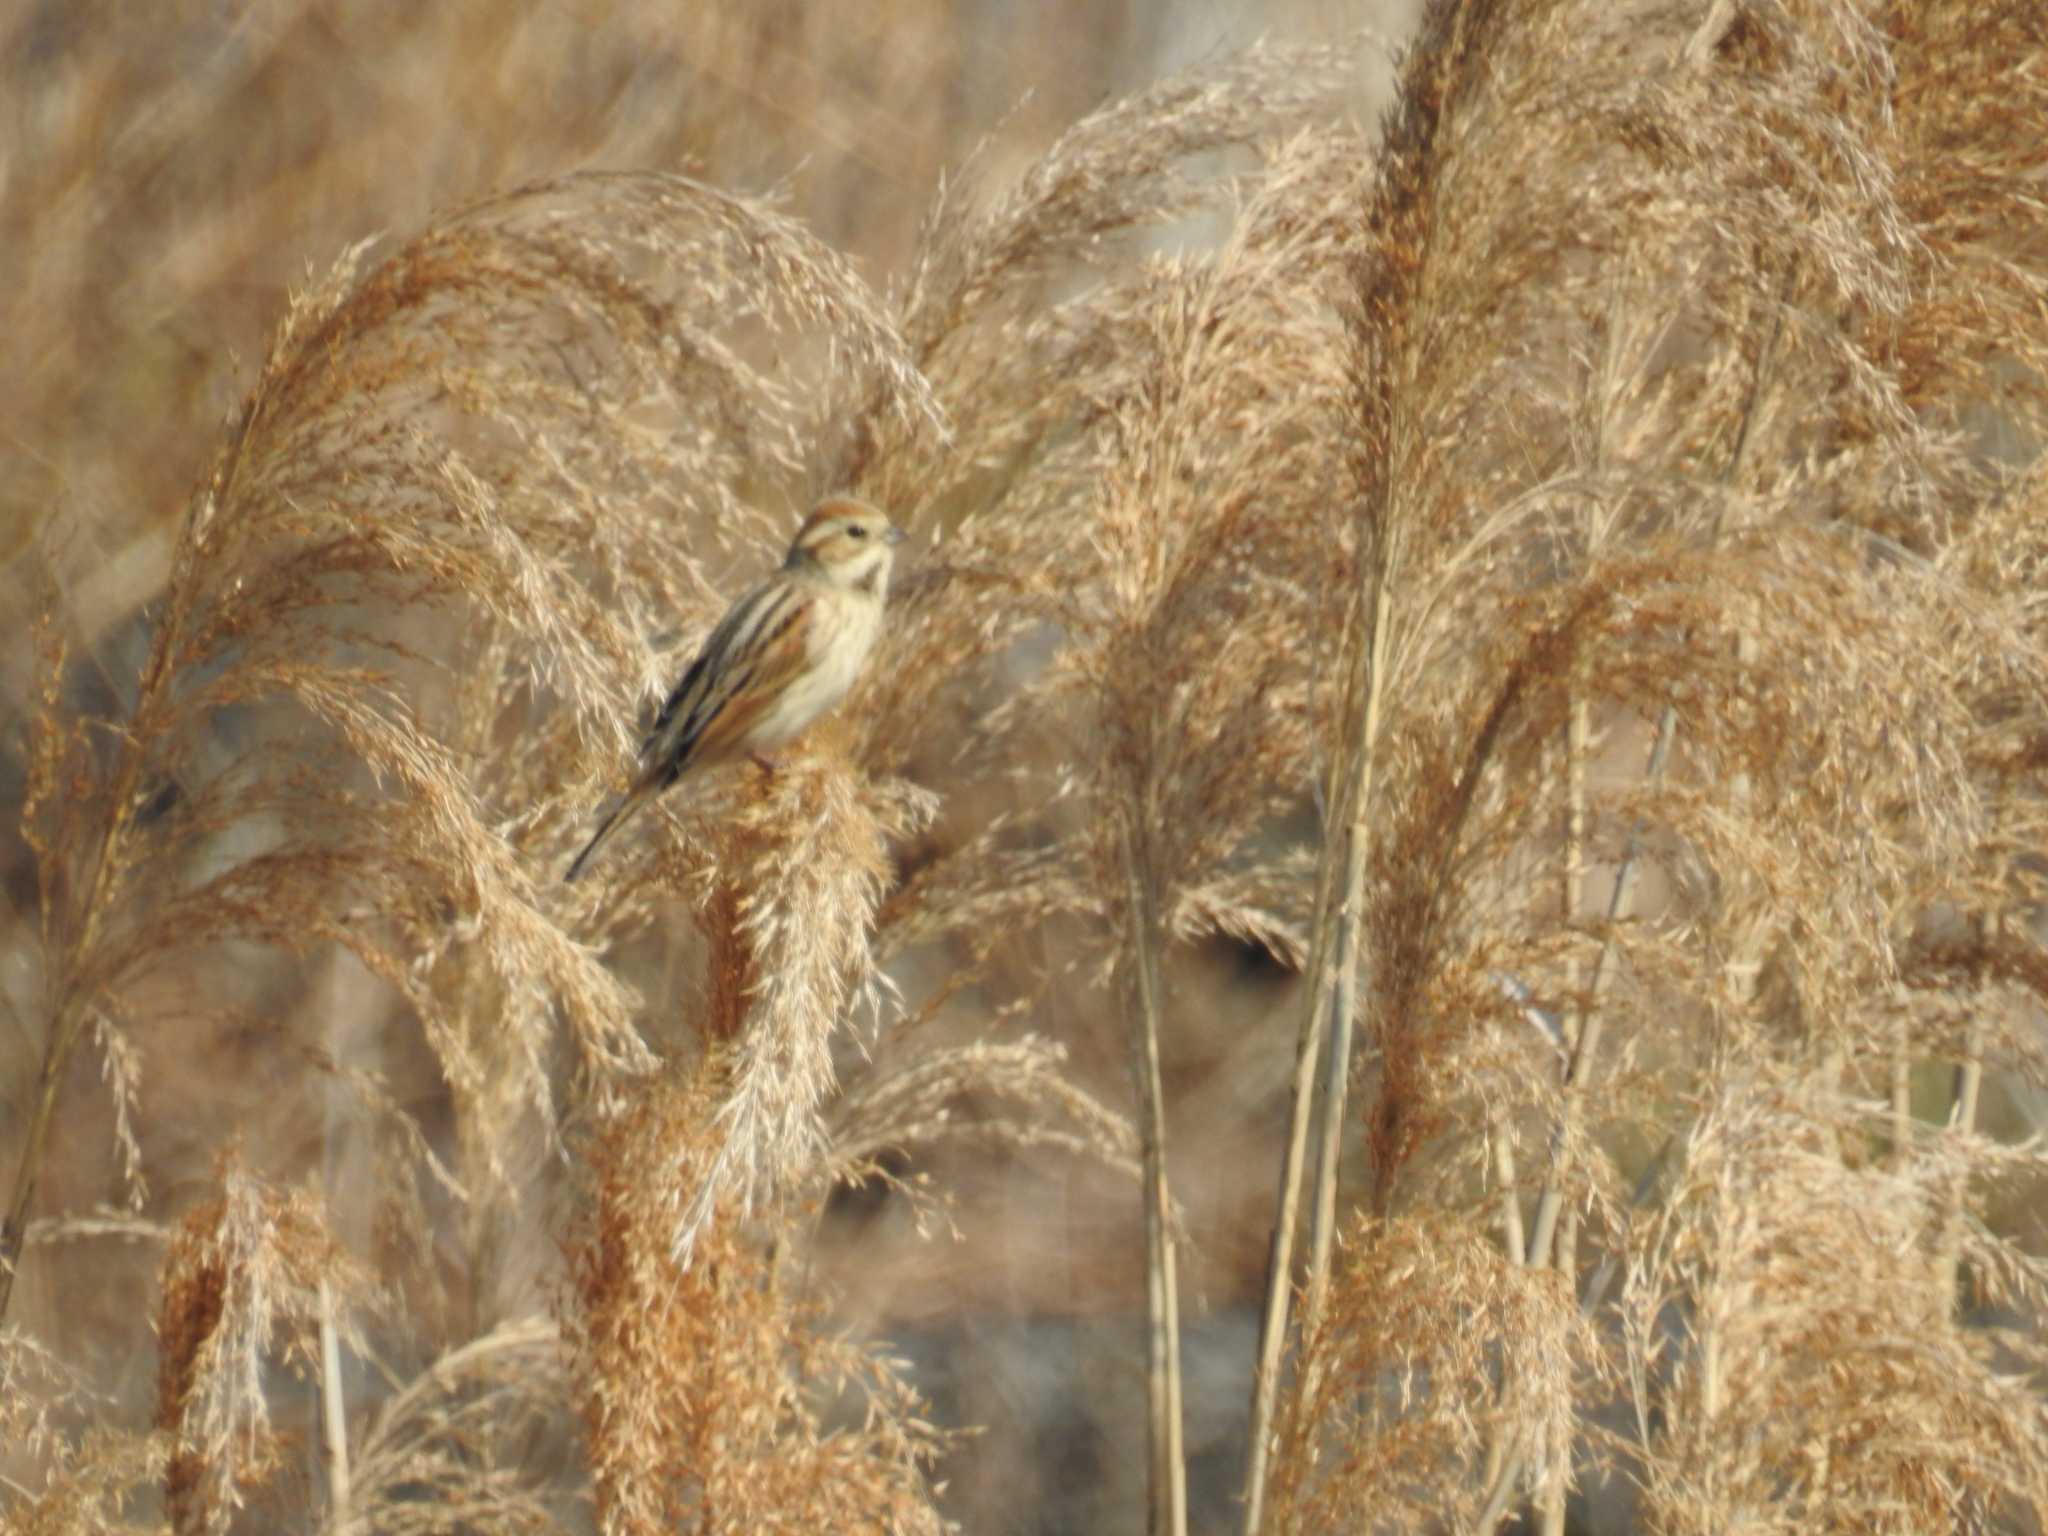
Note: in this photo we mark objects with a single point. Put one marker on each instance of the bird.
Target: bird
(782, 656)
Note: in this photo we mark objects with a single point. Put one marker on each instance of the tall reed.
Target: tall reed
(1554, 575)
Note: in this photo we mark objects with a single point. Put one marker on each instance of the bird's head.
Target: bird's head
(848, 542)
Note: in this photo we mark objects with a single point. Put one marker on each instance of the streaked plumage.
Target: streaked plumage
(782, 656)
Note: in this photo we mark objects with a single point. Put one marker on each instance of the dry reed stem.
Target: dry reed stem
(334, 1447)
(1165, 1420)
(1332, 996)
(1184, 689)
(1344, 955)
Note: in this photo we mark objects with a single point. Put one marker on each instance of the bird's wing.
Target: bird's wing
(739, 675)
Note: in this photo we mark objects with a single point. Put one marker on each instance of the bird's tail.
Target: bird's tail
(635, 797)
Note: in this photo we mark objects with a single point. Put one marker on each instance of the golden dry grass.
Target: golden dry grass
(1555, 571)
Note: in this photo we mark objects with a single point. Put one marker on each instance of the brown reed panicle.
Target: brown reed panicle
(1027, 360)
(1218, 517)
(1165, 509)
(1032, 382)
(391, 654)
(1617, 499)
(239, 1270)
(1822, 1310)
(990, 310)
(788, 887)
(1426, 1317)
(87, 1478)
(452, 1449)
(1689, 563)
(711, 1394)
(437, 541)
(437, 436)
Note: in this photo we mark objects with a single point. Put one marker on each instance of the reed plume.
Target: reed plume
(1483, 672)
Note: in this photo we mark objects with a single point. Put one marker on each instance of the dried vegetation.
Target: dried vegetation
(1556, 571)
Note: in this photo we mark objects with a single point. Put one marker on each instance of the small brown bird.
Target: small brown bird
(782, 656)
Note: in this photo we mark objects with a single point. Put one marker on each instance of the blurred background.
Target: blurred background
(168, 174)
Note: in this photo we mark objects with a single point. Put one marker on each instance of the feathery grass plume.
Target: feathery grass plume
(1837, 836)
(1025, 367)
(1194, 662)
(1790, 1340)
(240, 1269)
(59, 1483)
(1640, 448)
(88, 1486)
(384, 669)
(1433, 1342)
(443, 1453)
(1973, 355)
(444, 457)
(788, 893)
(1025, 375)
(917, 1104)
(1168, 507)
(710, 1392)
(1971, 349)
(1217, 522)
(1028, 374)
(987, 309)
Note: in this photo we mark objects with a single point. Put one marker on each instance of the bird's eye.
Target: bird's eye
(854, 530)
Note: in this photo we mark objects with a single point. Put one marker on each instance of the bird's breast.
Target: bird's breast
(842, 632)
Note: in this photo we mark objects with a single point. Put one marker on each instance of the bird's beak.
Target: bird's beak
(896, 535)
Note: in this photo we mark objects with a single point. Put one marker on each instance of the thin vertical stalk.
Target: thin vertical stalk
(332, 1440)
(1550, 1497)
(1587, 1049)
(1969, 1079)
(333, 1413)
(124, 800)
(1962, 1114)
(1344, 997)
(1514, 1237)
(56, 1057)
(1962, 1122)
(1503, 1471)
(1332, 959)
(1336, 1063)
(1579, 1069)
(1555, 1483)
(1167, 1503)
(69, 1025)
(1280, 1257)
(1902, 1095)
